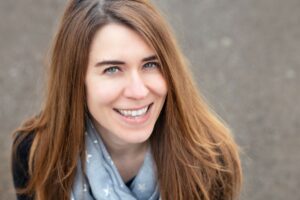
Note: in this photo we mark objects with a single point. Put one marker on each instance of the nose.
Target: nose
(136, 87)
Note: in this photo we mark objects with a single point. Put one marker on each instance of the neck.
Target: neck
(127, 157)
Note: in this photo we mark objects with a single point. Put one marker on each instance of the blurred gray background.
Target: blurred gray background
(244, 54)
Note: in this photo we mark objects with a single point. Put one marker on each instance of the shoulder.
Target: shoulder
(20, 158)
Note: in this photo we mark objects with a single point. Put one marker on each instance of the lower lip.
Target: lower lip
(136, 120)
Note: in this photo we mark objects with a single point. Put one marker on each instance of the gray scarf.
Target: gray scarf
(101, 179)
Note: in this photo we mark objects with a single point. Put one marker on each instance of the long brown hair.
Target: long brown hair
(194, 151)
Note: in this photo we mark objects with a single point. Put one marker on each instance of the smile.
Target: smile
(134, 112)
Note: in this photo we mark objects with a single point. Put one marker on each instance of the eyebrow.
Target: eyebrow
(119, 62)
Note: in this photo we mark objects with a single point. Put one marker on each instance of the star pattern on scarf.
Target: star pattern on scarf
(88, 156)
(85, 188)
(141, 187)
(106, 191)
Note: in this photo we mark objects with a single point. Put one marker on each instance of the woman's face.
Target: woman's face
(124, 85)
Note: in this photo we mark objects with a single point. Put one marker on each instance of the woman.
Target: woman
(122, 117)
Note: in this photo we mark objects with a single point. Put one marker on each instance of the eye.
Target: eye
(151, 65)
(111, 70)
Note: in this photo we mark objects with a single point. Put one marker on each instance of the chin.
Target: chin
(136, 137)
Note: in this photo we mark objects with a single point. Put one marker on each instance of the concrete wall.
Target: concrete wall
(244, 54)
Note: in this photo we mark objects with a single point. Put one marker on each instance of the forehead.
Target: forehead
(118, 41)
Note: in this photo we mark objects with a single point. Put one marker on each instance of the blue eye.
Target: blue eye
(150, 65)
(111, 70)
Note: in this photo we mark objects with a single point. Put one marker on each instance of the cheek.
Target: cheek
(102, 91)
(158, 84)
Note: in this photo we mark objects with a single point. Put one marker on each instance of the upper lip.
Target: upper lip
(136, 108)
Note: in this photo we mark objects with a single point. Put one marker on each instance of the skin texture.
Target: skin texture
(130, 83)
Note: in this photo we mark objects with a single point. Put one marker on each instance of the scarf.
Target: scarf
(101, 179)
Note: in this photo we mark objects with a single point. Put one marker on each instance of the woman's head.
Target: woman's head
(83, 24)
(83, 21)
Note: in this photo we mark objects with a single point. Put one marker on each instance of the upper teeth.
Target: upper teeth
(133, 113)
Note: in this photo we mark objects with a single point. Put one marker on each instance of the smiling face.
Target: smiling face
(124, 85)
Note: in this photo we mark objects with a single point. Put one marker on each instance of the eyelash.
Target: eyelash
(152, 63)
(109, 69)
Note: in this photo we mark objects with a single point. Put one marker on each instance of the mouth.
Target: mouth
(134, 113)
